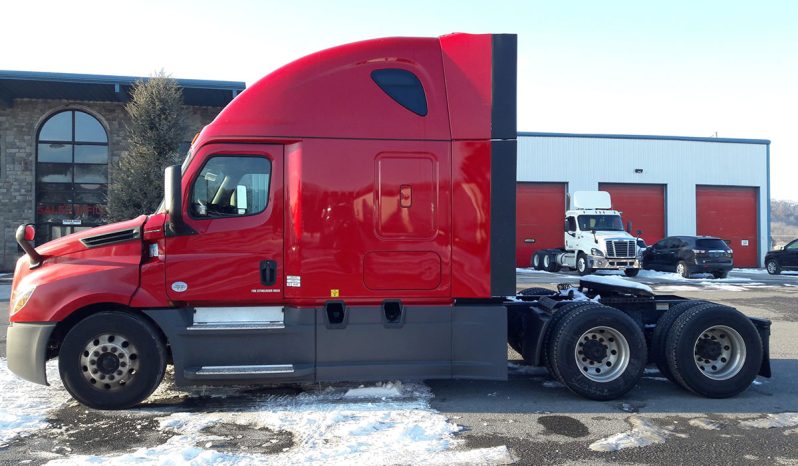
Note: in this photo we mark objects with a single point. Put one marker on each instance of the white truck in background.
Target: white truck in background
(595, 239)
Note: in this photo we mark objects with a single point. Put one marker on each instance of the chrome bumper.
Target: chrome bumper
(26, 349)
(598, 262)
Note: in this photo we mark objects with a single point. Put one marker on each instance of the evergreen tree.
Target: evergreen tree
(155, 132)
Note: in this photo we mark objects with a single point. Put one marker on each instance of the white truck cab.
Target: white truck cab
(594, 239)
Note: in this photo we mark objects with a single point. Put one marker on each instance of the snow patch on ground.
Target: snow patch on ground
(330, 426)
(705, 423)
(24, 406)
(643, 433)
(383, 391)
(772, 421)
(531, 271)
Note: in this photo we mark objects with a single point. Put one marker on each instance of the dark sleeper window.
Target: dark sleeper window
(403, 87)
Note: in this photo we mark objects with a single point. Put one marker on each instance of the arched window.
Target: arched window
(71, 173)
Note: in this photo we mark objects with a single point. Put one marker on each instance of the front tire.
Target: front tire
(773, 266)
(581, 265)
(631, 272)
(714, 351)
(721, 274)
(598, 352)
(112, 360)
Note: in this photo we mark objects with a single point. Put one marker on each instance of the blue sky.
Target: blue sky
(674, 68)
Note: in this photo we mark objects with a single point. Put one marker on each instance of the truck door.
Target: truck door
(233, 200)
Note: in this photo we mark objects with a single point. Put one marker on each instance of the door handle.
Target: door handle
(268, 272)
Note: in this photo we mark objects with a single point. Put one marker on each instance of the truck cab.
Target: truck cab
(594, 239)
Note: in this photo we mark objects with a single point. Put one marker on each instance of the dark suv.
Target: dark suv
(687, 255)
(784, 259)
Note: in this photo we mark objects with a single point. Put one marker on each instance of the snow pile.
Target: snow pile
(643, 433)
(383, 391)
(328, 427)
(772, 421)
(25, 406)
(575, 295)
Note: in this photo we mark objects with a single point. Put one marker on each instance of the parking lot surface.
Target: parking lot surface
(529, 419)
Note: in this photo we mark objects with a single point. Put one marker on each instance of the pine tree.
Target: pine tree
(155, 132)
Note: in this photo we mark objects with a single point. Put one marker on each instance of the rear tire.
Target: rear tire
(631, 272)
(112, 360)
(553, 320)
(550, 263)
(598, 352)
(537, 261)
(773, 266)
(682, 269)
(581, 265)
(664, 324)
(714, 351)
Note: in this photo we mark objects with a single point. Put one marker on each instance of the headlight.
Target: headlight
(597, 252)
(20, 299)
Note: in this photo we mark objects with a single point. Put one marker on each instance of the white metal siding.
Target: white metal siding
(584, 162)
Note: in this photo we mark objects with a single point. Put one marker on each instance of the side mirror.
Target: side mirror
(629, 226)
(25, 234)
(173, 202)
(639, 232)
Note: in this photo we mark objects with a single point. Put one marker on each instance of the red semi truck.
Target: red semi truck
(350, 217)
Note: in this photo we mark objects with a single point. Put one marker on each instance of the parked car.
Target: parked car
(687, 255)
(785, 258)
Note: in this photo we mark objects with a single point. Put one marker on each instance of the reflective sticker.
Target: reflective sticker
(179, 287)
(334, 293)
(293, 281)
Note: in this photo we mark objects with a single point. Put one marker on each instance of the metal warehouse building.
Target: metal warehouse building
(663, 185)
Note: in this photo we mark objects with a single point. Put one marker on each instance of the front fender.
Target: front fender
(68, 283)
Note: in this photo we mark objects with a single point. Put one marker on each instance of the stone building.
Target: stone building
(60, 135)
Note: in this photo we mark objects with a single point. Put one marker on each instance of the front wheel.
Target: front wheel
(581, 265)
(773, 267)
(631, 272)
(112, 360)
(720, 274)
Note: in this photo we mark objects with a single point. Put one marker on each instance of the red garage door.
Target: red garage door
(730, 213)
(641, 204)
(540, 213)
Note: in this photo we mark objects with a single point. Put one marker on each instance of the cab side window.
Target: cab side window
(660, 244)
(570, 224)
(231, 186)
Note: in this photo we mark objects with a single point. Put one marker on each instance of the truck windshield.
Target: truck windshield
(600, 223)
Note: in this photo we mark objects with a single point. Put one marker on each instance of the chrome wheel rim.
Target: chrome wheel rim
(680, 269)
(581, 264)
(602, 354)
(772, 266)
(719, 352)
(535, 260)
(546, 262)
(109, 361)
